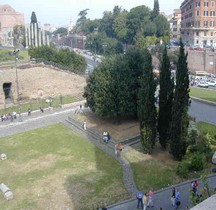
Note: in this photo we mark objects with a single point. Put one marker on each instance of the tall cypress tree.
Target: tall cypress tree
(33, 18)
(165, 100)
(146, 105)
(180, 119)
(156, 10)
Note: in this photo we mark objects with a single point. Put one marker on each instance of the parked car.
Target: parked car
(203, 84)
(212, 83)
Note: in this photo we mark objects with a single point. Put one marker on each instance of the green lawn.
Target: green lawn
(153, 171)
(53, 168)
(203, 93)
(207, 128)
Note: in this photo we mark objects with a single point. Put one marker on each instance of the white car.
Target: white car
(212, 83)
(203, 84)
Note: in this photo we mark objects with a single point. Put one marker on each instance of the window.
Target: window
(0, 26)
(205, 33)
(197, 13)
(212, 13)
(205, 13)
(212, 33)
(197, 24)
(197, 4)
(212, 24)
(205, 4)
(197, 33)
(205, 23)
(212, 3)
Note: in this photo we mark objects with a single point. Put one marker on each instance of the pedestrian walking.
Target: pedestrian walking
(173, 196)
(29, 111)
(177, 199)
(41, 109)
(84, 125)
(139, 196)
(119, 148)
(145, 201)
(150, 198)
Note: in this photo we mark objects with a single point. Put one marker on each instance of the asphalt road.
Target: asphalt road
(162, 197)
(203, 112)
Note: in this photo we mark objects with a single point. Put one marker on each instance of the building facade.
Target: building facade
(8, 19)
(175, 25)
(198, 22)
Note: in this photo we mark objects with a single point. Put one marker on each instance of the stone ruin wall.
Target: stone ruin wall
(40, 82)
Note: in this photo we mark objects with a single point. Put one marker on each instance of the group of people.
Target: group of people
(9, 116)
(175, 197)
(145, 200)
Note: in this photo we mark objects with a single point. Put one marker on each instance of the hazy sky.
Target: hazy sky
(59, 12)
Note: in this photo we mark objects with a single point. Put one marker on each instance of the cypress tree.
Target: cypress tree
(165, 100)
(156, 10)
(33, 18)
(180, 119)
(146, 105)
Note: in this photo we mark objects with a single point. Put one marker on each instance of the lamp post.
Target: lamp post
(17, 84)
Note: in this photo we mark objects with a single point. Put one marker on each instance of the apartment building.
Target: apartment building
(198, 22)
(175, 25)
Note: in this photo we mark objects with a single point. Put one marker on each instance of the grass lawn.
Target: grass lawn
(157, 170)
(52, 168)
(205, 128)
(207, 94)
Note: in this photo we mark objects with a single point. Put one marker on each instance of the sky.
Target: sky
(60, 12)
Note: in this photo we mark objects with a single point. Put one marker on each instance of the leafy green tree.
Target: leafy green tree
(150, 28)
(112, 46)
(106, 24)
(180, 119)
(146, 105)
(156, 10)
(165, 100)
(107, 92)
(63, 57)
(81, 21)
(61, 31)
(162, 26)
(120, 27)
(135, 19)
(144, 42)
(19, 35)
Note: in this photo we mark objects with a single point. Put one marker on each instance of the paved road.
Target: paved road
(203, 112)
(162, 197)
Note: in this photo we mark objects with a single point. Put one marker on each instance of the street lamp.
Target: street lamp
(17, 83)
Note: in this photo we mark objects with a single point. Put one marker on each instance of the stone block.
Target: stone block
(4, 188)
(8, 195)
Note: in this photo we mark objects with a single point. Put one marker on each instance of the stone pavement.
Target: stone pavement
(38, 120)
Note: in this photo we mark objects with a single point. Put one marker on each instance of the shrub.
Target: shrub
(183, 169)
(197, 162)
